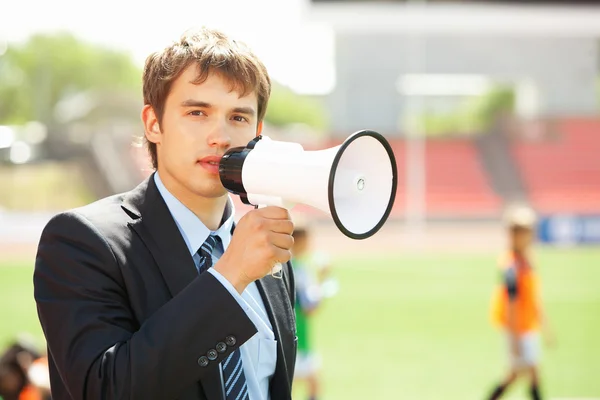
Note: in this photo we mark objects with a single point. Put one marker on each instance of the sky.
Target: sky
(297, 52)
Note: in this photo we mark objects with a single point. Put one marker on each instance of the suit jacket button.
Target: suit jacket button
(212, 354)
(230, 340)
(221, 347)
(203, 361)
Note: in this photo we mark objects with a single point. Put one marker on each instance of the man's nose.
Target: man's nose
(218, 136)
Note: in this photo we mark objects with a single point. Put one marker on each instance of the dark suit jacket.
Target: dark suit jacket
(126, 315)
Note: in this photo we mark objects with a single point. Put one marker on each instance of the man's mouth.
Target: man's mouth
(210, 163)
(213, 160)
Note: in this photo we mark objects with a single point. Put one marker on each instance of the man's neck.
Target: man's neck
(209, 210)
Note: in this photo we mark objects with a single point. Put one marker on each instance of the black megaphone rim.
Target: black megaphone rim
(333, 170)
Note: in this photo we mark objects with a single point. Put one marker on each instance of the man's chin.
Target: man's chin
(212, 193)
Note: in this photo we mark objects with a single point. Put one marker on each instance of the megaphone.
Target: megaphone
(355, 182)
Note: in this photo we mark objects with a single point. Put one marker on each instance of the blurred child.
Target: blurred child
(516, 305)
(311, 288)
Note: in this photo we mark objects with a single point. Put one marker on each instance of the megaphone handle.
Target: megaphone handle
(277, 269)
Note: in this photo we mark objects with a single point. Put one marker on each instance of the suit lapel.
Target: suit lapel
(276, 299)
(157, 229)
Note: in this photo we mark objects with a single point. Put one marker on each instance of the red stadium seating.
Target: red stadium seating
(562, 175)
(456, 181)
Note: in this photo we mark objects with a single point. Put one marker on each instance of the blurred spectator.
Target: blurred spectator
(313, 284)
(517, 307)
(24, 373)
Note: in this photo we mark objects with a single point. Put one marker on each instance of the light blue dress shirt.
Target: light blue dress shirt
(259, 353)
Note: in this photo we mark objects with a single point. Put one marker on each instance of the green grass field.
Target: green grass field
(416, 327)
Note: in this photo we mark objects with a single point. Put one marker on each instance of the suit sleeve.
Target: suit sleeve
(99, 349)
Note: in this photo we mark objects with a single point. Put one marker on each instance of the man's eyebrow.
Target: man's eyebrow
(245, 110)
(195, 103)
(202, 104)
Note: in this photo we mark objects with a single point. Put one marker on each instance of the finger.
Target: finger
(274, 212)
(281, 240)
(280, 226)
(281, 255)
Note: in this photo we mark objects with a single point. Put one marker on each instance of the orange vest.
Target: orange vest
(30, 393)
(526, 302)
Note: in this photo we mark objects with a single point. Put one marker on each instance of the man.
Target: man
(152, 294)
(517, 306)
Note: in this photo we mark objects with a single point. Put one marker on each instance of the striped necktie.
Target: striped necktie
(205, 253)
(233, 375)
(233, 367)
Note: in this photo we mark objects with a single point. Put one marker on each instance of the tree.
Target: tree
(38, 74)
(287, 107)
(49, 70)
(473, 116)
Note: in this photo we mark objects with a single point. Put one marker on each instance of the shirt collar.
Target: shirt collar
(192, 229)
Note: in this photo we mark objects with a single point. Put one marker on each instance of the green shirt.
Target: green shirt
(305, 300)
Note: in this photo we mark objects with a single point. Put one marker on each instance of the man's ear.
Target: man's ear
(151, 125)
(259, 128)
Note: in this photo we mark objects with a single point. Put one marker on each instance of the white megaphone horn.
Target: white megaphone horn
(354, 182)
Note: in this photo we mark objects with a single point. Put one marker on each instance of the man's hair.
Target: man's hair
(212, 51)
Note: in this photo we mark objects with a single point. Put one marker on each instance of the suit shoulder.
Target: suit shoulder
(97, 215)
(101, 206)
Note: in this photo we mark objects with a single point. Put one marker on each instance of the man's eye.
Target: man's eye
(239, 118)
(196, 113)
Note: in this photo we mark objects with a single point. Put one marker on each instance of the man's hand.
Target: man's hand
(262, 238)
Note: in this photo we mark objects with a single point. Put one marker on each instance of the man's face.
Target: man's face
(200, 122)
